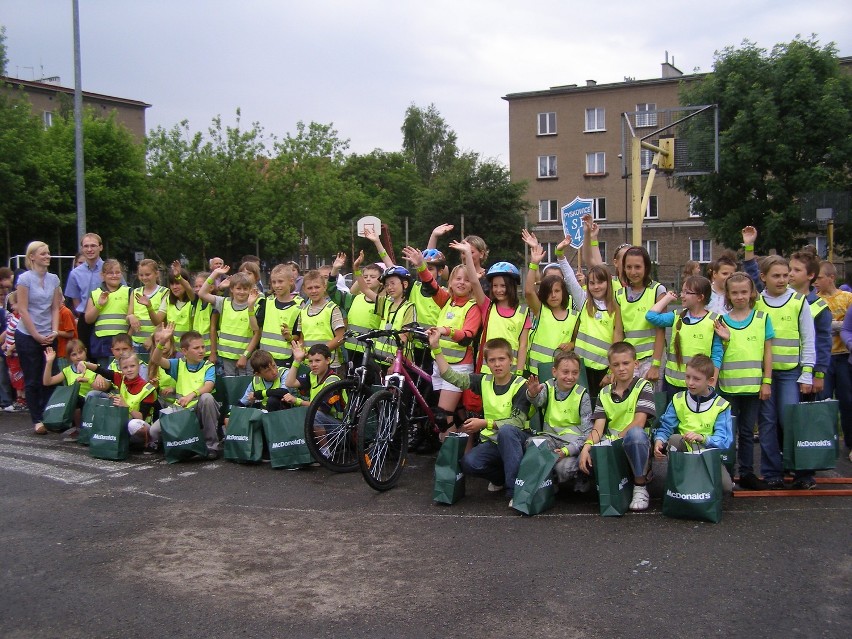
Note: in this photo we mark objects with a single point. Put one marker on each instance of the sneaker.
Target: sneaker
(511, 503)
(805, 483)
(641, 499)
(71, 435)
(750, 481)
(16, 407)
(775, 484)
(494, 488)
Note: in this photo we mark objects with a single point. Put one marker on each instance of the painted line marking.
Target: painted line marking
(48, 471)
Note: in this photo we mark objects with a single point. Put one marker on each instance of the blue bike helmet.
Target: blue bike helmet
(504, 268)
(434, 257)
(399, 271)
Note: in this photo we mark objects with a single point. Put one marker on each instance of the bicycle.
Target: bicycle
(330, 437)
(386, 418)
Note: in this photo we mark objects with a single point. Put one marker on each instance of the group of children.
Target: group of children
(734, 350)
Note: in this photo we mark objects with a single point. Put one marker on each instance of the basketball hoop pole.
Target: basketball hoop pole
(640, 200)
(830, 240)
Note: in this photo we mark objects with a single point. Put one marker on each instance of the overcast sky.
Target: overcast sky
(360, 63)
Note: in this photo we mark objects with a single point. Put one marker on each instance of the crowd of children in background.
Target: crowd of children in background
(588, 352)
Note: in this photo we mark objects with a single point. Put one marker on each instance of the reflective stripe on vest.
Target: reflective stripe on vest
(702, 423)
(112, 318)
(695, 339)
(496, 406)
(594, 337)
(271, 339)
(785, 322)
(620, 414)
(453, 317)
(146, 326)
(71, 377)
(188, 381)
(393, 320)
(742, 364)
(562, 417)
(235, 332)
(260, 384)
(549, 333)
(637, 330)
(360, 319)
(509, 328)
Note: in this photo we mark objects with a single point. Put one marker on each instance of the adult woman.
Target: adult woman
(39, 299)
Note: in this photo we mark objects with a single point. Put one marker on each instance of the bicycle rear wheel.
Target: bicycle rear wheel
(383, 439)
(331, 436)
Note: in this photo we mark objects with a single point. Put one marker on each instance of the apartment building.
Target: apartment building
(48, 99)
(566, 141)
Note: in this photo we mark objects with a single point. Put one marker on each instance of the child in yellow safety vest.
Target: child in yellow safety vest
(697, 417)
(320, 320)
(143, 316)
(76, 371)
(556, 319)
(503, 429)
(236, 339)
(622, 412)
(566, 410)
(107, 309)
(268, 386)
(204, 319)
(276, 314)
(176, 306)
(360, 317)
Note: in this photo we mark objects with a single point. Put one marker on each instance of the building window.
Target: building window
(653, 211)
(547, 166)
(647, 158)
(699, 251)
(596, 163)
(548, 211)
(602, 248)
(549, 251)
(595, 120)
(651, 247)
(547, 123)
(599, 208)
(821, 243)
(47, 118)
(693, 207)
(645, 115)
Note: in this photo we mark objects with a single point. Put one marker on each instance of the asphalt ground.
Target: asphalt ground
(140, 548)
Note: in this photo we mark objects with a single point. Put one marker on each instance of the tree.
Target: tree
(484, 195)
(4, 60)
(785, 124)
(427, 141)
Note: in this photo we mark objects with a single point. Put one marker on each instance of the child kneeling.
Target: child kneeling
(697, 417)
(267, 387)
(623, 410)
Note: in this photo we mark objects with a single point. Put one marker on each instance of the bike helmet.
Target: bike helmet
(504, 268)
(434, 257)
(399, 271)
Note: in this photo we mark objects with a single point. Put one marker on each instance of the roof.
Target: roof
(53, 88)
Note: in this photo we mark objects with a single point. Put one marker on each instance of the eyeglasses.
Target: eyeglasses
(685, 292)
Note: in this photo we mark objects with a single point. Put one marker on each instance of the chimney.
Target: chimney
(670, 70)
(591, 83)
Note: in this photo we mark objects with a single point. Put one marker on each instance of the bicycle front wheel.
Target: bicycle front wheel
(382, 440)
(331, 423)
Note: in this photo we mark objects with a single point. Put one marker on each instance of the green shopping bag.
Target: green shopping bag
(230, 390)
(694, 485)
(285, 436)
(181, 435)
(612, 476)
(810, 435)
(88, 417)
(244, 435)
(535, 489)
(59, 412)
(449, 478)
(109, 438)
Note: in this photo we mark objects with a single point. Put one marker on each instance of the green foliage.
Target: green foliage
(785, 130)
(427, 141)
(4, 59)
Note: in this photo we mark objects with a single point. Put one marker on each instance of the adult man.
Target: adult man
(83, 280)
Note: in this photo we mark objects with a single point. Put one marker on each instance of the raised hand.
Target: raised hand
(529, 238)
(442, 229)
(356, 265)
(412, 255)
(749, 235)
(721, 329)
(339, 261)
(534, 386)
(536, 253)
(176, 268)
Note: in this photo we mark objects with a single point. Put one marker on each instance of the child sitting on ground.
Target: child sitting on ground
(566, 409)
(697, 417)
(76, 371)
(267, 387)
(623, 410)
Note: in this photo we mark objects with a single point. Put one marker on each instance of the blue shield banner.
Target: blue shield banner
(572, 222)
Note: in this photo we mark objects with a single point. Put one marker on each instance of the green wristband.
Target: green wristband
(533, 266)
(595, 243)
(748, 247)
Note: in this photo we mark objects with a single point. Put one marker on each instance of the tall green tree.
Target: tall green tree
(785, 120)
(427, 141)
(4, 59)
